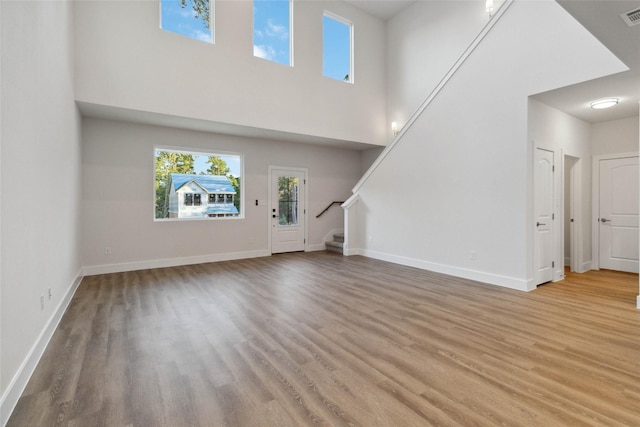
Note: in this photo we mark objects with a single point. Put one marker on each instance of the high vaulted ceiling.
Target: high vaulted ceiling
(602, 19)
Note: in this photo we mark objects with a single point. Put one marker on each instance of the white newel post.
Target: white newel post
(351, 225)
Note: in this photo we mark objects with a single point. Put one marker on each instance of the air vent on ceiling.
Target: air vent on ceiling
(632, 17)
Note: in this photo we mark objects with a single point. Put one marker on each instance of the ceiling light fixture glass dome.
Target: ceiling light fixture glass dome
(604, 103)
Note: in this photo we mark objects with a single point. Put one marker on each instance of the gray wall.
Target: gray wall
(118, 196)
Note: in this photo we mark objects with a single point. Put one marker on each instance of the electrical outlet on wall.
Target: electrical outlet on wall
(472, 255)
(50, 294)
(107, 251)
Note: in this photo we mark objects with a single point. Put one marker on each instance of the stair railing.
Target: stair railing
(328, 207)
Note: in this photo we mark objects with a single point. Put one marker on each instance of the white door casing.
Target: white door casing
(543, 190)
(287, 209)
(618, 214)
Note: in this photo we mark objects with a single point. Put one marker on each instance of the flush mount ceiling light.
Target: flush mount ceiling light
(604, 103)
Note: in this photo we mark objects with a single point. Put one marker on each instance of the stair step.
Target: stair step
(334, 246)
(338, 237)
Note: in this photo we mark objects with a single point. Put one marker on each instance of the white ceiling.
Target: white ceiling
(383, 9)
(602, 19)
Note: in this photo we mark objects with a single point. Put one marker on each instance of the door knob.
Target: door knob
(538, 224)
(605, 220)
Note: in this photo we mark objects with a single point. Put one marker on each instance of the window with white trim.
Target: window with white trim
(197, 184)
(337, 47)
(190, 18)
(272, 28)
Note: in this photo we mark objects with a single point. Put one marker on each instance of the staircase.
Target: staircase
(337, 244)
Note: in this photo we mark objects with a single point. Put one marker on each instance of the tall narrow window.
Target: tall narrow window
(337, 54)
(190, 18)
(272, 27)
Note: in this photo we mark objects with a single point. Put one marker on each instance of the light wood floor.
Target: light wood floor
(317, 338)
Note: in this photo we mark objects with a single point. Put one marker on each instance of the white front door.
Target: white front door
(287, 210)
(544, 215)
(618, 214)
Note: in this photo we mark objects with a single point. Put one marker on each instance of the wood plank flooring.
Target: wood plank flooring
(319, 339)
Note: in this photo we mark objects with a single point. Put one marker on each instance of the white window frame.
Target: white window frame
(198, 151)
(350, 24)
(212, 20)
(291, 32)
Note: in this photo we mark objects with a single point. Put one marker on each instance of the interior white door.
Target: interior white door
(618, 214)
(287, 210)
(544, 215)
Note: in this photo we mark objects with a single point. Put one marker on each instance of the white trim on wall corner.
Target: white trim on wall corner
(19, 381)
(355, 251)
(171, 262)
(464, 273)
(584, 267)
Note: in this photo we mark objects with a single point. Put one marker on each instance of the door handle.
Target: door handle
(538, 224)
(604, 220)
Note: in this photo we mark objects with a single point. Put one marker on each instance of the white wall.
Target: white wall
(460, 179)
(123, 59)
(424, 40)
(40, 177)
(616, 136)
(118, 196)
(565, 135)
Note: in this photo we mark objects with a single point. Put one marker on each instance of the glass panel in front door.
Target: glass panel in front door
(288, 200)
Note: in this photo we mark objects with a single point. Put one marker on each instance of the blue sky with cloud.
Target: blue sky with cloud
(182, 20)
(271, 30)
(271, 33)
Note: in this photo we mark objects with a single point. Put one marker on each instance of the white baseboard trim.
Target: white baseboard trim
(349, 252)
(479, 276)
(638, 302)
(21, 378)
(171, 262)
(313, 248)
(586, 266)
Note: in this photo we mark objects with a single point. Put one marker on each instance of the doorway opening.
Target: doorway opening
(571, 220)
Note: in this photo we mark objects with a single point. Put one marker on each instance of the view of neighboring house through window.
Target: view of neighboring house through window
(337, 48)
(272, 27)
(190, 18)
(191, 185)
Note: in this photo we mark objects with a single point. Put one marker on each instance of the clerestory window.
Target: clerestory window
(272, 28)
(190, 18)
(337, 48)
